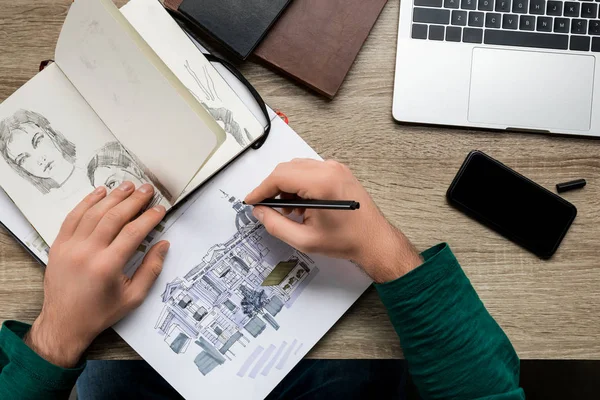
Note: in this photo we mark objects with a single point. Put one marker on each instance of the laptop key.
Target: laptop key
(554, 8)
(453, 34)
(493, 20)
(589, 10)
(428, 3)
(562, 25)
(431, 16)
(486, 5)
(419, 31)
(503, 5)
(472, 35)
(468, 4)
(594, 28)
(519, 6)
(459, 18)
(451, 3)
(476, 18)
(527, 23)
(537, 7)
(580, 43)
(510, 21)
(436, 32)
(544, 24)
(526, 39)
(579, 26)
(596, 44)
(571, 9)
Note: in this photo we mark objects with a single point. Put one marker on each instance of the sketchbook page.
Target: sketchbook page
(203, 81)
(141, 101)
(55, 150)
(238, 87)
(15, 223)
(207, 326)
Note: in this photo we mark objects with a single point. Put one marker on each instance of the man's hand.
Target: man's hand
(85, 290)
(363, 236)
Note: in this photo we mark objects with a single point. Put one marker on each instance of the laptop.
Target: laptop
(525, 65)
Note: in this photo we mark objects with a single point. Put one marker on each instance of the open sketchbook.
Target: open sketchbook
(208, 326)
(112, 109)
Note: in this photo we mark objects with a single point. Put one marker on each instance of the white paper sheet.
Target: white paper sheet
(192, 328)
(139, 99)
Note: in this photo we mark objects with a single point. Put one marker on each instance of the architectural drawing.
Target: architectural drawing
(221, 114)
(219, 306)
(35, 151)
(112, 165)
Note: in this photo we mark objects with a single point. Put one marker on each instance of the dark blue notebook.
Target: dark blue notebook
(237, 25)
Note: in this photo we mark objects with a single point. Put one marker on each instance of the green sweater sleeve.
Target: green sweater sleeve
(453, 347)
(24, 375)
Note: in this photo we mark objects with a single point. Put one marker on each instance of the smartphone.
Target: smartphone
(514, 206)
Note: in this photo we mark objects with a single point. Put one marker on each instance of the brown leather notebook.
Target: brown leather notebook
(316, 41)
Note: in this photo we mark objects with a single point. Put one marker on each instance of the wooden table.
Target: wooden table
(549, 309)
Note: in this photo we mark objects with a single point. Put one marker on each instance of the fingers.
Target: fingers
(146, 274)
(288, 196)
(295, 177)
(295, 234)
(132, 235)
(90, 219)
(74, 217)
(115, 219)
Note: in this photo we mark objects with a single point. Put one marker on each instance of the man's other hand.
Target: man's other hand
(85, 289)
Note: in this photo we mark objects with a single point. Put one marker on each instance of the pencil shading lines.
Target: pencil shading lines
(249, 361)
(35, 151)
(286, 355)
(261, 362)
(274, 359)
(298, 349)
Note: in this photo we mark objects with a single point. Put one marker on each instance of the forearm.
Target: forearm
(453, 347)
(25, 375)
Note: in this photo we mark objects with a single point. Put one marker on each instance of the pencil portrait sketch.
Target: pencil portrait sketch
(113, 164)
(220, 114)
(38, 153)
(220, 306)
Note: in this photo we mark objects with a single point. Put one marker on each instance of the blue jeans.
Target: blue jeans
(310, 379)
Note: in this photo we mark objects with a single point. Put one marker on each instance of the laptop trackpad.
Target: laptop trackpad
(527, 89)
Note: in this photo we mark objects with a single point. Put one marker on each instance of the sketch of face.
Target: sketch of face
(33, 150)
(112, 176)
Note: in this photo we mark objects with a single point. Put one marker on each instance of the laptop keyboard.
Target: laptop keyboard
(561, 25)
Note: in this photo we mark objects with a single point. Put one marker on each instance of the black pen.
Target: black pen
(316, 204)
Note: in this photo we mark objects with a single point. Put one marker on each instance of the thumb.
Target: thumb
(293, 233)
(146, 274)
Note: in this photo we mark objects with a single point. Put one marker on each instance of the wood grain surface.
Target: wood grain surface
(549, 309)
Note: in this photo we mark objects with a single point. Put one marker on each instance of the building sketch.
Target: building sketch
(219, 306)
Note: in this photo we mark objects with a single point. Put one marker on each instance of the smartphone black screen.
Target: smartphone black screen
(513, 205)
